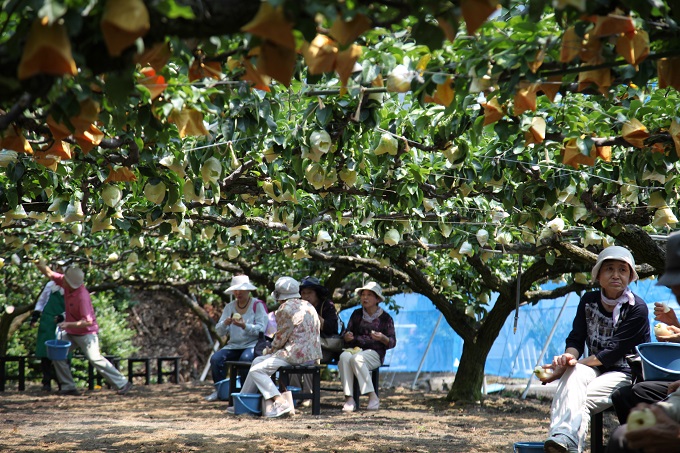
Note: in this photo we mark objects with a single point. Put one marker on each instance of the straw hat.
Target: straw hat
(240, 283)
(372, 286)
(286, 288)
(671, 275)
(618, 254)
(74, 276)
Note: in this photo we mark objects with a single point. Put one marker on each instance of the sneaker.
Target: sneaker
(71, 392)
(349, 406)
(559, 443)
(46, 388)
(230, 410)
(373, 405)
(211, 397)
(124, 389)
(278, 410)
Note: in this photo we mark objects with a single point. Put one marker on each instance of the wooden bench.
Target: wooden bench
(597, 431)
(315, 370)
(174, 361)
(93, 376)
(375, 379)
(235, 367)
(21, 371)
(145, 373)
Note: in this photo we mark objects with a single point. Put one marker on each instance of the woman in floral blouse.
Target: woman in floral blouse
(296, 342)
(369, 334)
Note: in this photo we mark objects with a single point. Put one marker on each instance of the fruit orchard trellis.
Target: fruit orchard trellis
(312, 182)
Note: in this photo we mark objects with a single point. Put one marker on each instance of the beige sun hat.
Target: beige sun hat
(74, 276)
(616, 253)
(286, 288)
(240, 283)
(372, 286)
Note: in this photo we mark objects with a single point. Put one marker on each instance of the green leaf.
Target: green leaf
(172, 10)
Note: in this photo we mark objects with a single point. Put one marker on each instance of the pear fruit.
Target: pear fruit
(662, 330)
(541, 372)
(641, 419)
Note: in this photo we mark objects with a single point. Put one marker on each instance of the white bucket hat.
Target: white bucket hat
(372, 286)
(242, 283)
(286, 288)
(615, 253)
(74, 276)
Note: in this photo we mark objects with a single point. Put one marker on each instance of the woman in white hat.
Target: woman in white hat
(296, 342)
(243, 319)
(609, 323)
(369, 334)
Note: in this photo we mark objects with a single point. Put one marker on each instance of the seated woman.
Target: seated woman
(316, 294)
(296, 342)
(243, 319)
(371, 329)
(609, 323)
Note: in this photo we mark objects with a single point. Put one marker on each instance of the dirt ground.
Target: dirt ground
(176, 418)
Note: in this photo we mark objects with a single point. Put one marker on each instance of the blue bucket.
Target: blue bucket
(528, 447)
(57, 349)
(660, 361)
(247, 403)
(222, 389)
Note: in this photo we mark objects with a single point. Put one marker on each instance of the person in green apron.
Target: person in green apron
(49, 310)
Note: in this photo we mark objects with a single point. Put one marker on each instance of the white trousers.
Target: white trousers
(89, 345)
(259, 376)
(360, 365)
(582, 391)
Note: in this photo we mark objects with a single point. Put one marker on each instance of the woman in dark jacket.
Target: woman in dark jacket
(369, 334)
(316, 294)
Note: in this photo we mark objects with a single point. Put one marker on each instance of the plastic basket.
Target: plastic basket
(528, 447)
(247, 403)
(57, 349)
(222, 389)
(660, 361)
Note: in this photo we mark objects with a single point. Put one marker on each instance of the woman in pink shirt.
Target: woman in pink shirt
(80, 328)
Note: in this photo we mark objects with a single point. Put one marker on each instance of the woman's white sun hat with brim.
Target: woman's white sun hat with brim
(240, 283)
(371, 286)
(286, 288)
(74, 276)
(618, 254)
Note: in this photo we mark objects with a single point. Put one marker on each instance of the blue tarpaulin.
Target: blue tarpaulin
(513, 355)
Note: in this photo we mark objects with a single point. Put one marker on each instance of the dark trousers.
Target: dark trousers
(219, 358)
(626, 398)
(48, 372)
(617, 441)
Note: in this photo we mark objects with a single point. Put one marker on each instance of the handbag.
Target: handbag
(334, 343)
(263, 342)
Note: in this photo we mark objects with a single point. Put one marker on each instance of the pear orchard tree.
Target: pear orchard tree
(439, 147)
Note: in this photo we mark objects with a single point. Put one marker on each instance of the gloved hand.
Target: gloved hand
(35, 316)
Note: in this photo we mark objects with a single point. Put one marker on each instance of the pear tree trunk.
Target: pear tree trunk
(470, 376)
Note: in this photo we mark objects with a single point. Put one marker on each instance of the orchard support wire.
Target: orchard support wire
(518, 293)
